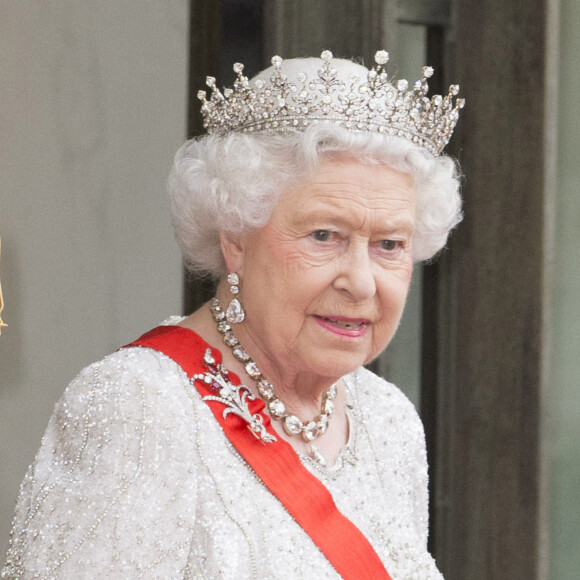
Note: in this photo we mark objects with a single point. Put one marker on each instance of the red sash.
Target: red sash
(277, 465)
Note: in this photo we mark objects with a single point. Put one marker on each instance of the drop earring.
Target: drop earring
(235, 312)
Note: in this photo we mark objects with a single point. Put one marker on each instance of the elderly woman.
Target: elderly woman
(248, 440)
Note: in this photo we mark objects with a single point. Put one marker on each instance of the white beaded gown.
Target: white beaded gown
(136, 479)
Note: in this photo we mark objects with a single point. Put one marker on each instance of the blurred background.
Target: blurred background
(97, 95)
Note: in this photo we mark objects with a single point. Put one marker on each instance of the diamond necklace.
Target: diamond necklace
(308, 430)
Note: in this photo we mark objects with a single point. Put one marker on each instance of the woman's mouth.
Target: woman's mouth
(352, 327)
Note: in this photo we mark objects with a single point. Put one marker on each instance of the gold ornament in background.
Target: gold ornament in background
(1, 299)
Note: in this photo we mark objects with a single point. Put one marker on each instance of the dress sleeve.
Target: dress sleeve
(113, 475)
(420, 484)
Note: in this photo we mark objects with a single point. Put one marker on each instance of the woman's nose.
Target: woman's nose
(356, 276)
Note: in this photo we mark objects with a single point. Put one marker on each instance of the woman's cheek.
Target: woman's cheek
(304, 255)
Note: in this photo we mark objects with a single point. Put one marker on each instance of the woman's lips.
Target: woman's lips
(351, 327)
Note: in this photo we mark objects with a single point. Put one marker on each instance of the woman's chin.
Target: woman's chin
(334, 363)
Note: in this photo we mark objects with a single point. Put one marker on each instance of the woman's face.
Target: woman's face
(324, 283)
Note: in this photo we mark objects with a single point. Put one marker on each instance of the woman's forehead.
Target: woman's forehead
(351, 179)
(344, 194)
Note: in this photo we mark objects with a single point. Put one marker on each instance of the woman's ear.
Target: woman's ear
(233, 251)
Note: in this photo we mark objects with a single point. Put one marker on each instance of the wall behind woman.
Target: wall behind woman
(562, 400)
(93, 107)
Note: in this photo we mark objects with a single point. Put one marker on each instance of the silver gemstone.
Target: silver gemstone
(328, 407)
(235, 313)
(322, 421)
(253, 370)
(240, 353)
(310, 431)
(238, 67)
(223, 327)
(276, 408)
(233, 278)
(265, 388)
(326, 55)
(332, 392)
(230, 339)
(382, 57)
(276, 61)
(292, 425)
(402, 85)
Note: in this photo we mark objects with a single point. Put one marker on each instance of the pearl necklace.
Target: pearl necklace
(308, 430)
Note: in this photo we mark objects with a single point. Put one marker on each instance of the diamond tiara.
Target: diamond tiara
(370, 104)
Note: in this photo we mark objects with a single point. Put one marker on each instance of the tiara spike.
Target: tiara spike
(371, 104)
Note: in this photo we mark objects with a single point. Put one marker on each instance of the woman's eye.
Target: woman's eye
(390, 245)
(321, 235)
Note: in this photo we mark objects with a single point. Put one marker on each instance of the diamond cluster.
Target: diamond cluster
(366, 105)
(235, 398)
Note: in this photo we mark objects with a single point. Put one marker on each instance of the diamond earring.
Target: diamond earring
(235, 312)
